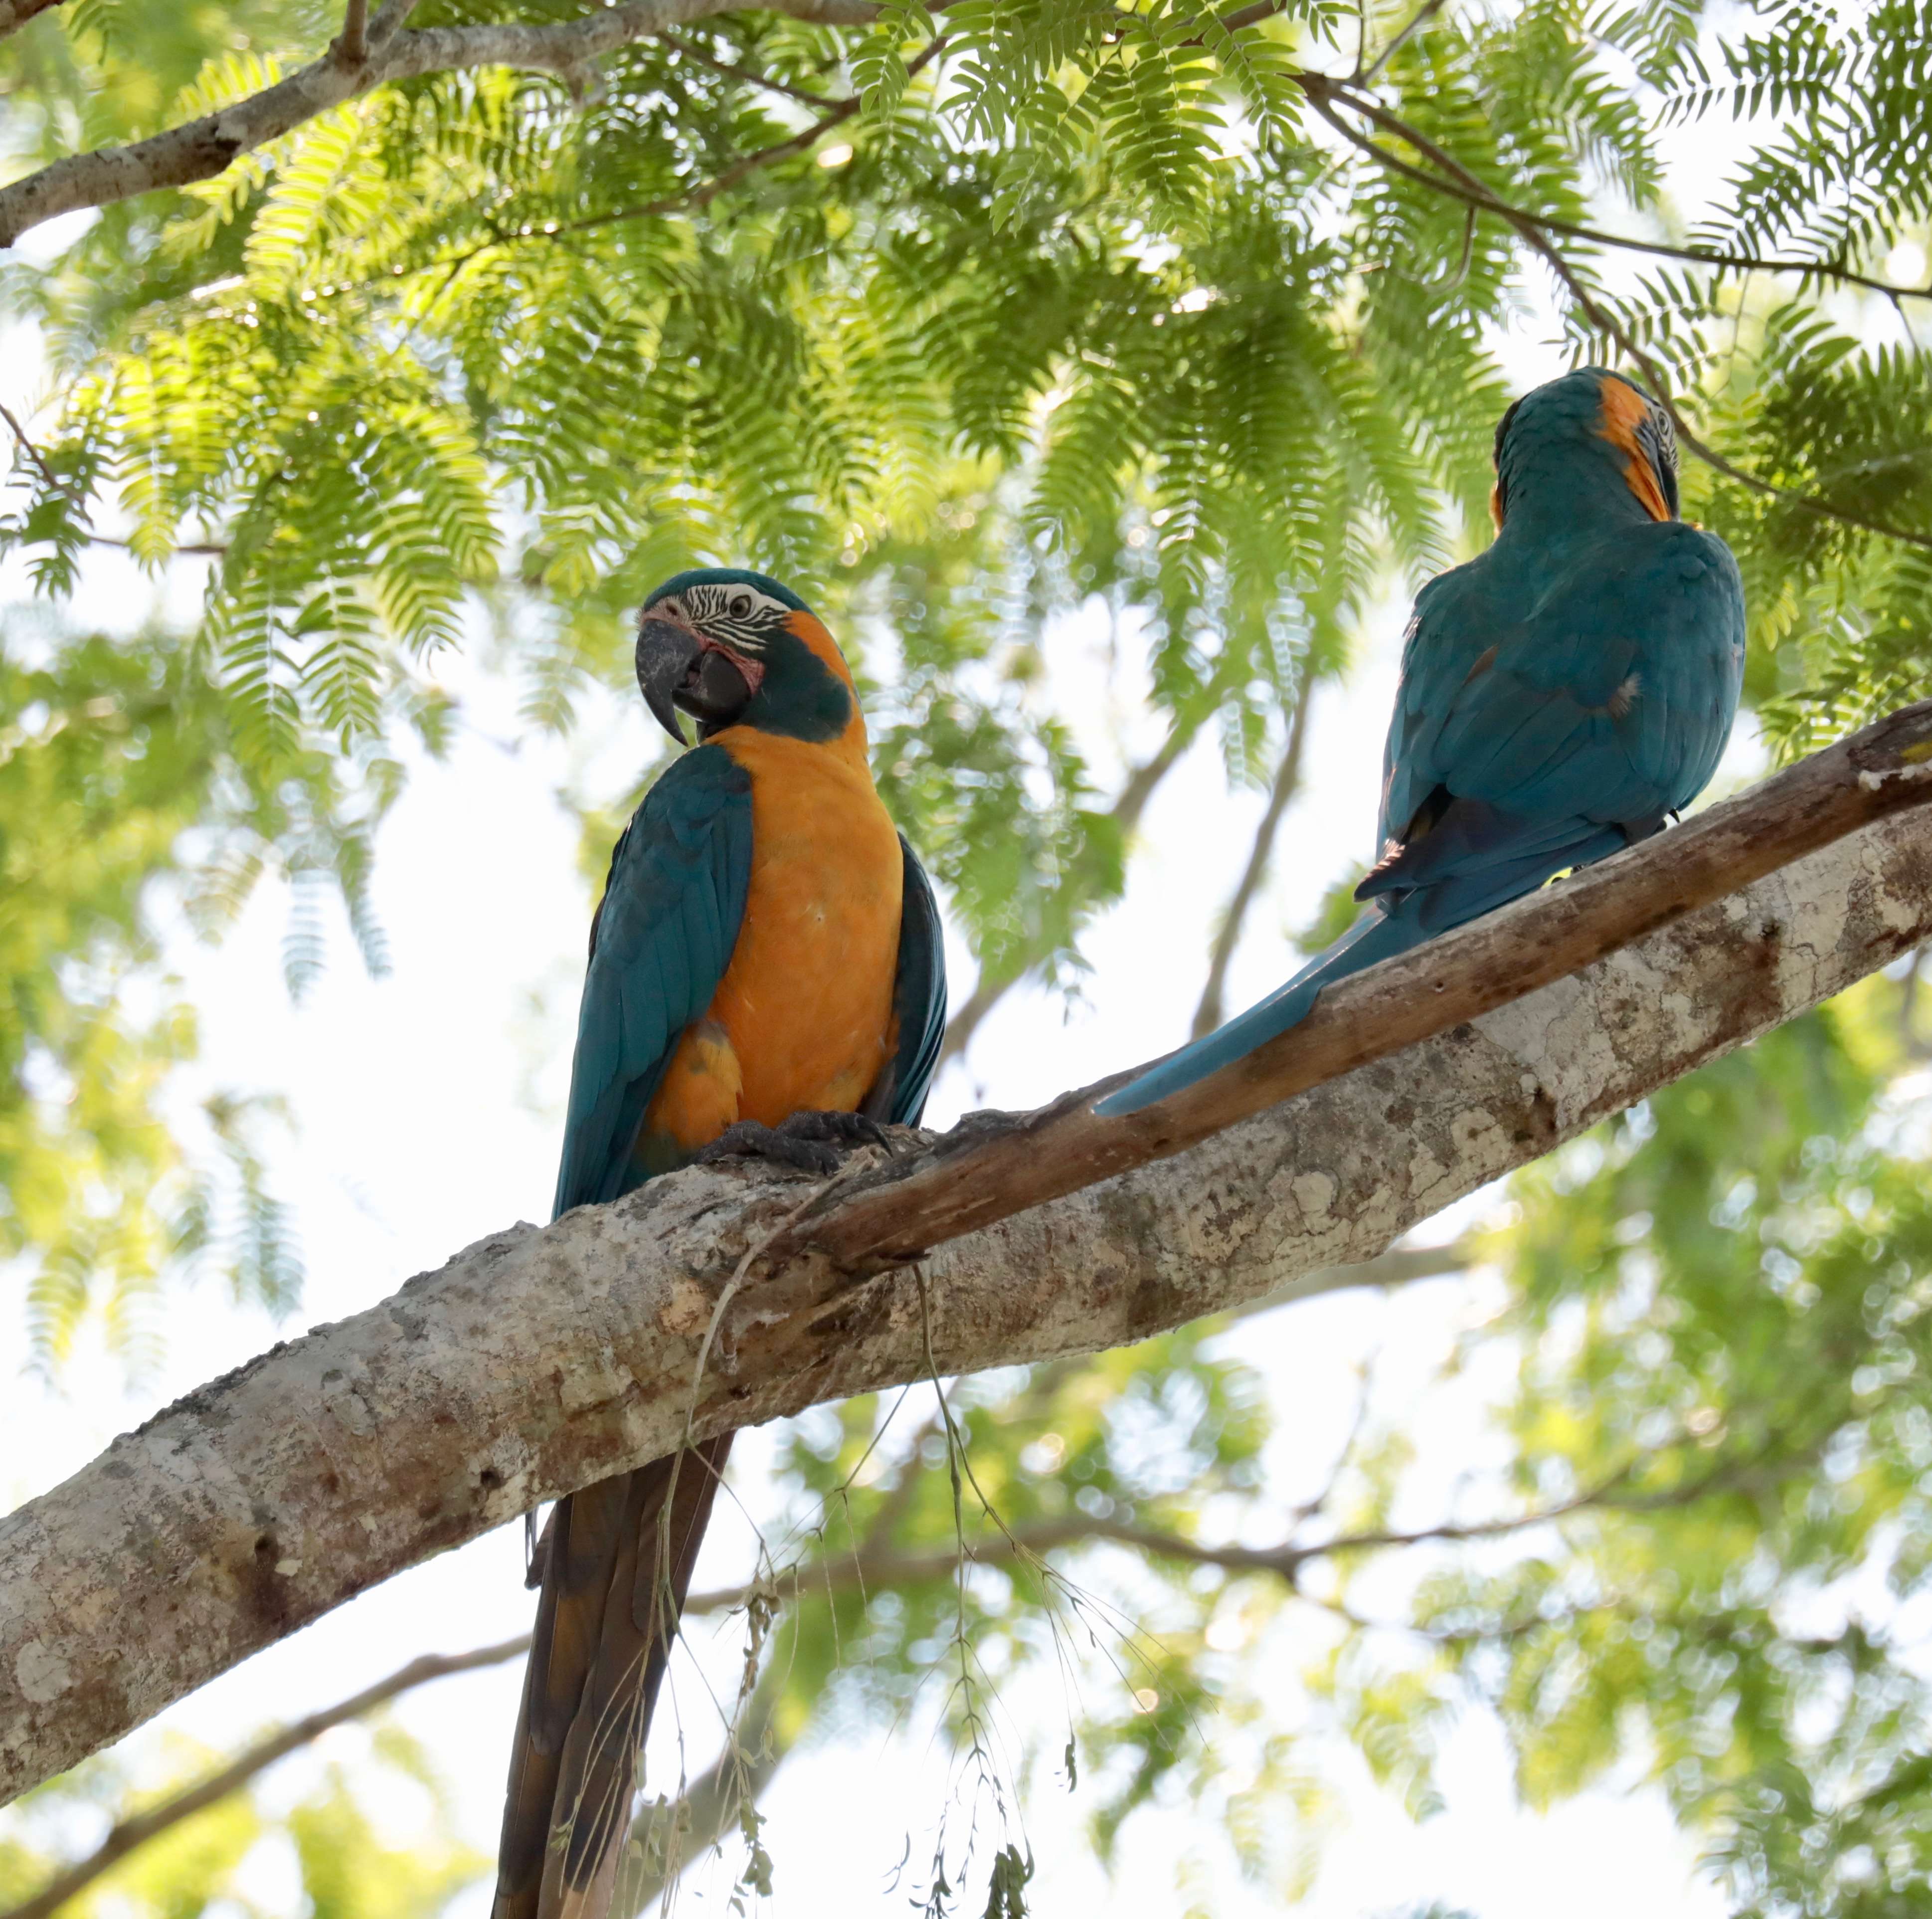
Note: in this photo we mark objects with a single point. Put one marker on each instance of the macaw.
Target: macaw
(766, 975)
(1561, 694)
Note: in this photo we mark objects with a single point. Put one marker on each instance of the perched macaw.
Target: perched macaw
(766, 975)
(1560, 695)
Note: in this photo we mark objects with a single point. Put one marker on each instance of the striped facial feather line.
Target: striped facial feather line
(739, 617)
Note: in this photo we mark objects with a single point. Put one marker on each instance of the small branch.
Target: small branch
(170, 1812)
(14, 14)
(873, 1571)
(695, 198)
(707, 1808)
(1400, 1265)
(731, 70)
(34, 453)
(351, 46)
(1129, 804)
(1210, 1013)
(692, 199)
(1467, 189)
(200, 149)
(1323, 95)
(1417, 21)
(188, 550)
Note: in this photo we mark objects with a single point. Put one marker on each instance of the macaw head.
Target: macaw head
(732, 648)
(1592, 430)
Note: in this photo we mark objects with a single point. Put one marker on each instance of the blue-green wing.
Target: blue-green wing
(1452, 624)
(919, 995)
(660, 944)
(1610, 702)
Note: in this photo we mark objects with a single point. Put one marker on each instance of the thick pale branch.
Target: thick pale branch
(539, 1361)
(995, 1163)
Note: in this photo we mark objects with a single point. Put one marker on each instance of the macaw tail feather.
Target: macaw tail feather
(616, 1564)
(1376, 935)
(1477, 864)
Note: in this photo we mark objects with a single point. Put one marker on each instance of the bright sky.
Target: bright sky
(426, 1110)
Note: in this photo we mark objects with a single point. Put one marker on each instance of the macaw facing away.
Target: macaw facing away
(767, 975)
(1560, 695)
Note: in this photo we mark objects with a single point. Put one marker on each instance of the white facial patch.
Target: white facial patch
(739, 616)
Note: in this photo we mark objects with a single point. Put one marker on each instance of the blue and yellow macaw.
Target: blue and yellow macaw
(766, 975)
(1561, 694)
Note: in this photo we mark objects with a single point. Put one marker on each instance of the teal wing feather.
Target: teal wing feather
(919, 995)
(1609, 699)
(660, 944)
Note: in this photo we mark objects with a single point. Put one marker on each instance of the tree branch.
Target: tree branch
(156, 1819)
(24, 440)
(199, 149)
(749, 75)
(538, 1362)
(708, 1807)
(1457, 180)
(351, 48)
(1129, 804)
(14, 14)
(870, 1572)
(1210, 1013)
(1417, 21)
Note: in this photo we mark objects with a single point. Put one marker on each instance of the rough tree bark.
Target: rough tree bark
(356, 63)
(536, 1361)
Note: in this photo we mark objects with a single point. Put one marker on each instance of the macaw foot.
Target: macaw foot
(811, 1142)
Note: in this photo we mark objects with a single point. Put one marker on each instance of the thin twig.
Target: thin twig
(34, 453)
(1136, 790)
(732, 71)
(1466, 187)
(1025, 1542)
(138, 1831)
(1287, 779)
(1324, 94)
(1417, 21)
(698, 197)
(690, 200)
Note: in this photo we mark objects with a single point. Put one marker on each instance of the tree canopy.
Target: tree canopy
(957, 317)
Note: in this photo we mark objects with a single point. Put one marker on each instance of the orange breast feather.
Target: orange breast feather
(803, 1020)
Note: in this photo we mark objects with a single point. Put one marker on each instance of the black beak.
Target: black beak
(1648, 438)
(676, 668)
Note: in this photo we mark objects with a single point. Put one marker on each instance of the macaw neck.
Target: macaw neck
(1558, 498)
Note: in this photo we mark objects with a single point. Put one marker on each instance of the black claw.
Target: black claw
(847, 1129)
(809, 1142)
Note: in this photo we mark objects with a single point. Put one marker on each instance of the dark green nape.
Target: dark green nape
(728, 576)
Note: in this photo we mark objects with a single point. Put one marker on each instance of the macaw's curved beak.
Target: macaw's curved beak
(1649, 439)
(677, 668)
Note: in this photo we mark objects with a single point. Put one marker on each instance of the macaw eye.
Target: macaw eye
(741, 606)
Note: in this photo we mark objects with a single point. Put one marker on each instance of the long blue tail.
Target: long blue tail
(1468, 880)
(1377, 934)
